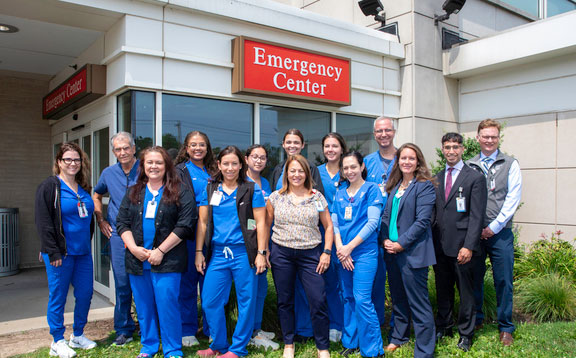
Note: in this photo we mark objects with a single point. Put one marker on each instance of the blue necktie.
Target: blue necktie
(485, 164)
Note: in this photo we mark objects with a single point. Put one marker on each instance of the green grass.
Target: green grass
(554, 340)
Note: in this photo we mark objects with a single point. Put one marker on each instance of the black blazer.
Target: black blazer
(179, 218)
(452, 230)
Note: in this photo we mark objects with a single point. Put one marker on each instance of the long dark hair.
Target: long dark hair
(421, 174)
(231, 149)
(171, 179)
(209, 162)
(340, 140)
(83, 175)
(359, 159)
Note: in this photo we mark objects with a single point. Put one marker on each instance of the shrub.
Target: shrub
(547, 256)
(549, 297)
(471, 149)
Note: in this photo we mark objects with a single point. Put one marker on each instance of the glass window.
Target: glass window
(358, 132)
(225, 122)
(275, 121)
(136, 115)
(555, 7)
(529, 6)
(101, 243)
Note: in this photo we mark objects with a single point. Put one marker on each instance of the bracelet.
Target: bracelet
(163, 253)
(199, 250)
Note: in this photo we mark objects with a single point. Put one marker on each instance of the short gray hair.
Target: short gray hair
(124, 135)
(381, 118)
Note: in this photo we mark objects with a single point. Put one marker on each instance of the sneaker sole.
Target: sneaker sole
(74, 345)
(54, 354)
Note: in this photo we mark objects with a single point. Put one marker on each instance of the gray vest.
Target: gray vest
(496, 184)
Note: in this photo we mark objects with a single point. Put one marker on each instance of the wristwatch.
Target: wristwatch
(263, 252)
(327, 251)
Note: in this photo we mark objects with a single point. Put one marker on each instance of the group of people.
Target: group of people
(329, 234)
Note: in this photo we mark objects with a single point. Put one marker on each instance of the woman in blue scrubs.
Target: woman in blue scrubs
(232, 229)
(155, 216)
(195, 166)
(333, 146)
(407, 235)
(64, 211)
(355, 214)
(256, 159)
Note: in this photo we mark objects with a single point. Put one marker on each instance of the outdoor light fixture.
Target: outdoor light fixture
(372, 8)
(451, 7)
(8, 29)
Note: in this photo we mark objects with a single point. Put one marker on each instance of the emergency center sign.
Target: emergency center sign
(280, 71)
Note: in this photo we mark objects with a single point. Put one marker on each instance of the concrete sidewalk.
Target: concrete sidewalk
(24, 298)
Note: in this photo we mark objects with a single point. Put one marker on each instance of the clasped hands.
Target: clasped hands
(154, 256)
(392, 247)
(343, 252)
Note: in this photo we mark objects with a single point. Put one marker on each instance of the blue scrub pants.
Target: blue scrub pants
(379, 289)
(78, 271)
(500, 248)
(410, 300)
(123, 322)
(261, 292)
(156, 297)
(287, 264)
(226, 264)
(361, 329)
(189, 295)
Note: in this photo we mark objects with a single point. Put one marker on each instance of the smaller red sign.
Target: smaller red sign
(72, 88)
(288, 72)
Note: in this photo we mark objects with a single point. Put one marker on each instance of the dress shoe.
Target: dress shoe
(391, 348)
(347, 351)
(506, 338)
(464, 344)
(443, 332)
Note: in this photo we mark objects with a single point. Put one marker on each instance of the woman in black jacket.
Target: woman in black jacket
(64, 211)
(155, 216)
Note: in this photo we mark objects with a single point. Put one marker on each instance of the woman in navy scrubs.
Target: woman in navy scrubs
(333, 146)
(407, 235)
(232, 229)
(297, 250)
(155, 216)
(355, 214)
(195, 165)
(256, 159)
(64, 211)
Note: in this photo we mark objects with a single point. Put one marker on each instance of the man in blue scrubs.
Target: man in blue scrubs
(379, 165)
(115, 180)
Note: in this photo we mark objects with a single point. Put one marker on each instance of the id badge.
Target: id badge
(251, 224)
(382, 189)
(461, 205)
(492, 184)
(216, 198)
(82, 212)
(151, 210)
(348, 213)
(319, 206)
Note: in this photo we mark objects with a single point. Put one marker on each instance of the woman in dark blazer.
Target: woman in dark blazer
(407, 237)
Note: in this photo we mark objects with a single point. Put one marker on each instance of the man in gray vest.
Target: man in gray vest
(504, 185)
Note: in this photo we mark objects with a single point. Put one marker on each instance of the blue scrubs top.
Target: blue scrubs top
(266, 190)
(76, 229)
(330, 184)
(368, 195)
(114, 181)
(378, 169)
(199, 178)
(149, 224)
(227, 230)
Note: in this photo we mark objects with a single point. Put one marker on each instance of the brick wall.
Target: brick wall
(25, 153)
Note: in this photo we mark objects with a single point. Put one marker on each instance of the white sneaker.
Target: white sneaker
(335, 335)
(61, 349)
(264, 342)
(269, 335)
(81, 342)
(190, 341)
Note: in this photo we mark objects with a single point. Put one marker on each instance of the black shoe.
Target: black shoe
(121, 340)
(347, 351)
(443, 332)
(464, 344)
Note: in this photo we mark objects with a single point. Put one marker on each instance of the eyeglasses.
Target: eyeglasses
(488, 137)
(194, 145)
(122, 149)
(387, 131)
(69, 161)
(451, 147)
(258, 158)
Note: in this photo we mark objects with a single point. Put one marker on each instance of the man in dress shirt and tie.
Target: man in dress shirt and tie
(457, 226)
(504, 187)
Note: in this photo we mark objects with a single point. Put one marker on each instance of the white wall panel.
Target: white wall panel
(197, 42)
(143, 33)
(143, 71)
(197, 78)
